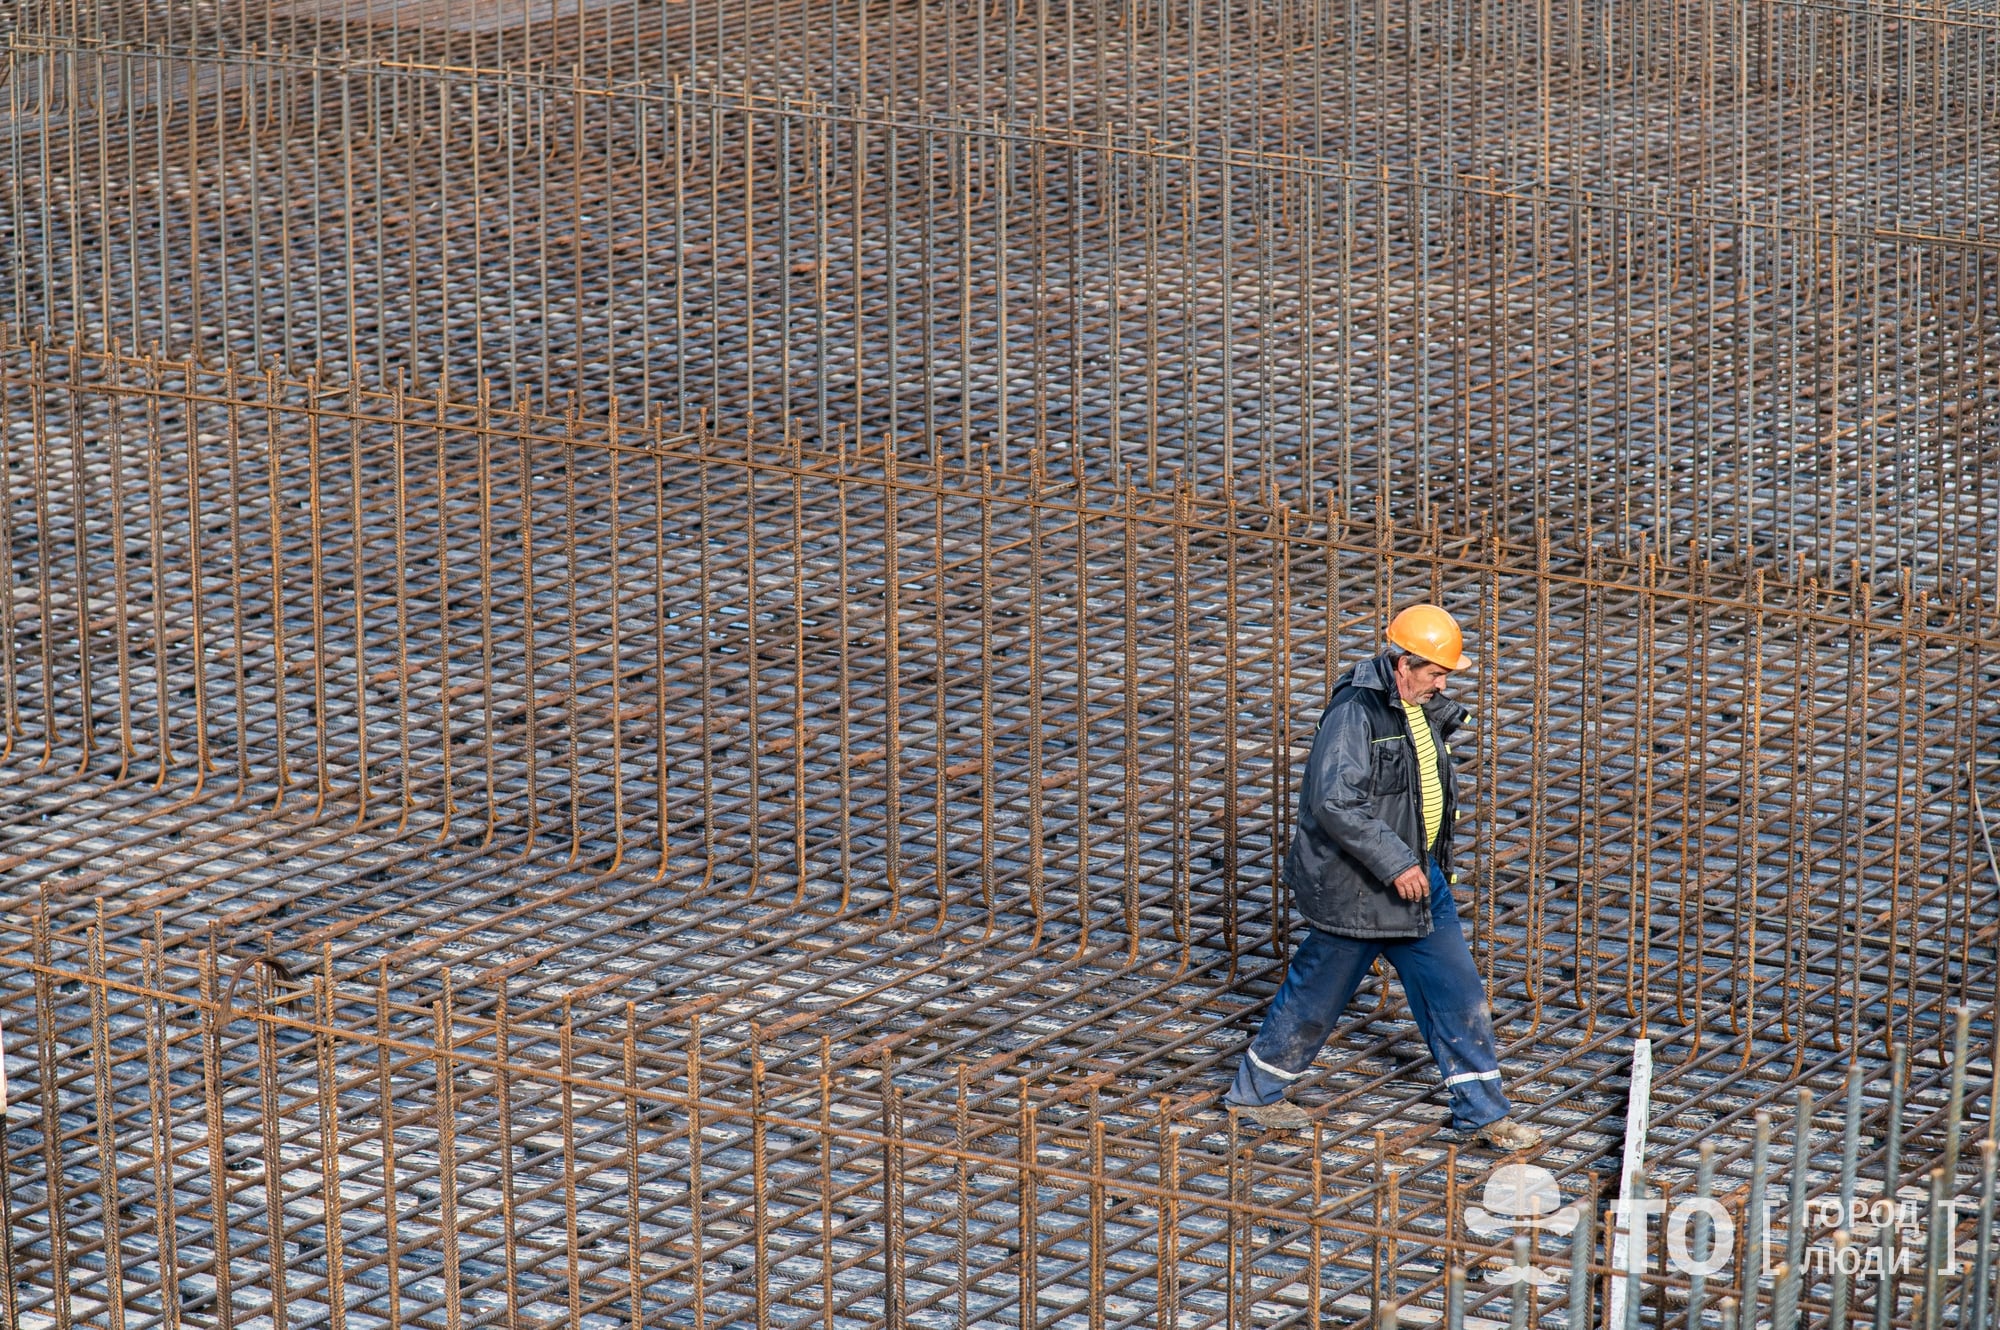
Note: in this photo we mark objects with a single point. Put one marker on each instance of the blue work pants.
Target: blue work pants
(1445, 994)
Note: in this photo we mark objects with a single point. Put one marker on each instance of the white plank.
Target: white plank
(1625, 1253)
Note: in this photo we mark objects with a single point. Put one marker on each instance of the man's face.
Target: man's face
(1419, 681)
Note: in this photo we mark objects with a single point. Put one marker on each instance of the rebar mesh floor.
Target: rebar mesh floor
(605, 621)
(654, 658)
(1489, 270)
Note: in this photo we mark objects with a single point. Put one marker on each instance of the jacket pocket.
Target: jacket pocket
(1390, 767)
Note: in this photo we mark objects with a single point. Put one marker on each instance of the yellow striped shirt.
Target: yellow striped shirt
(1427, 773)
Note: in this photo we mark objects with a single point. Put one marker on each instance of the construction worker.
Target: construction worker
(1370, 866)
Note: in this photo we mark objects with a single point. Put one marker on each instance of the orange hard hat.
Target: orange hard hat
(1427, 631)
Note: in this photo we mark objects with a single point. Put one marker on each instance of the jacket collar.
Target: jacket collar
(1376, 672)
(1379, 673)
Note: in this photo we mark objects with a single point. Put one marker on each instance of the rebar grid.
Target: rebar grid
(640, 609)
(516, 1172)
(1799, 105)
(1537, 308)
(557, 618)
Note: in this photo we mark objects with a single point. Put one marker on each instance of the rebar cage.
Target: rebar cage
(656, 654)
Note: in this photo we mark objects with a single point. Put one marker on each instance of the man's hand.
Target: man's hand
(1412, 884)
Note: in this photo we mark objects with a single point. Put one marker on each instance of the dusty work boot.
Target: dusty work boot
(1283, 1115)
(1509, 1136)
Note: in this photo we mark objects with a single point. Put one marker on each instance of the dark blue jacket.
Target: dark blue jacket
(1361, 812)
